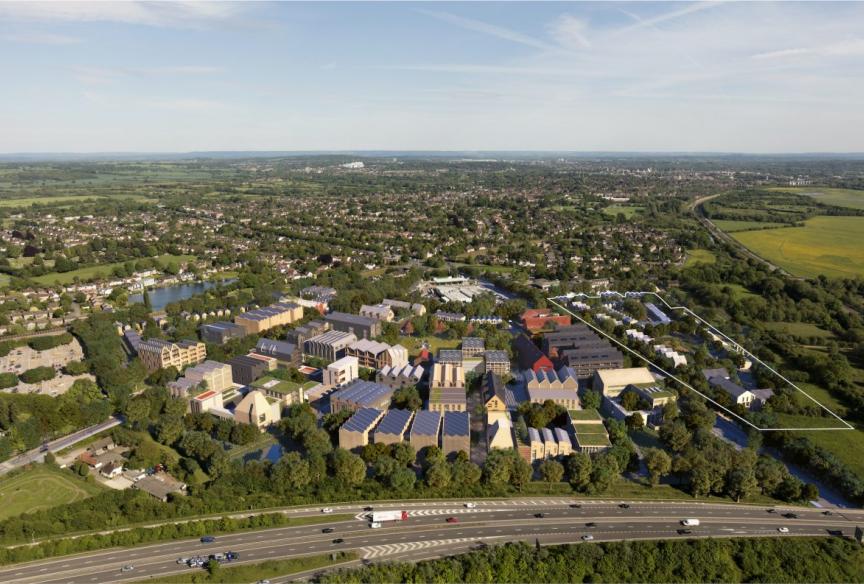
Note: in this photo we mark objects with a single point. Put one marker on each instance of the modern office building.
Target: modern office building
(245, 369)
(589, 433)
(261, 319)
(611, 382)
(361, 394)
(286, 392)
(361, 326)
(393, 427)
(209, 375)
(456, 433)
(425, 430)
(329, 346)
(341, 372)
(287, 354)
(219, 333)
(157, 354)
(354, 433)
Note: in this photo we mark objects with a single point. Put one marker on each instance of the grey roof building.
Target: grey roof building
(280, 350)
(393, 426)
(425, 429)
(456, 433)
(219, 333)
(473, 346)
(452, 356)
(362, 326)
(361, 394)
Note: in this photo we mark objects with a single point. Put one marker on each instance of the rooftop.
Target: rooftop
(426, 423)
(394, 422)
(362, 392)
(362, 421)
(456, 424)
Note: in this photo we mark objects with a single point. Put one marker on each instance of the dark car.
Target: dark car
(591, 524)
(208, 539)
(790, 515)
(338, 540)
(684, 532)
(452, 520)
(231, 556)
(368, 509)
(539, 515)
(624, 506)
(772, 510)
(826, 512)
(328, 530)
(575, 506)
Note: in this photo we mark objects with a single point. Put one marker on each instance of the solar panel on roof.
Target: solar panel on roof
(362, 420)
(456, 423)
(394, 422)
(426, 423)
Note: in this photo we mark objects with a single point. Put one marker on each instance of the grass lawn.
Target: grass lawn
(267, 570)
(627, 210)
(825, 245)
(699, 256)
(39, 488)
(800, 329)
(839, 197)
(435, 343)
(103, 271)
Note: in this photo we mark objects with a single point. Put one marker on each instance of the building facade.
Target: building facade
(157, 354)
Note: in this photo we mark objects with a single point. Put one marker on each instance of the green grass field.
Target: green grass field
(825, 245)
(435, 343)
(100, 271)
(627, 210)
(839, 197)
(800, 329)
(39, 488)
(699, 256)
(30, 201)
(845, 445)
(730, 226)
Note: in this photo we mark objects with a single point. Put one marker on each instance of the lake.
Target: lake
(162, 297)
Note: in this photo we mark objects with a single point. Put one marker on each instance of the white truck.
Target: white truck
(690, 522)
(379, 516)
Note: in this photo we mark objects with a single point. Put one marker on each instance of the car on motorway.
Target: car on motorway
(182, 560)
(575, 506)
(624, 506)
(587, 537)
(690, 522)
(338, 540)
(452, 520)
(685, 531)
(368, 508)
(127, 568)
(772, 510)
(328, 530)
(539, 515)
(470, 505)
(783, 529)
(375, 525)
(790, 515)
(208, 539)
(263, 582)
(231, 556)
(827, 512)
(326, 510)
(591, 524)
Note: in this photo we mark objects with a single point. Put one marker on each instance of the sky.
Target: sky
(613, 76)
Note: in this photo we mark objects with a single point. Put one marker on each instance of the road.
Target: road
(38, 454)
(427, 534)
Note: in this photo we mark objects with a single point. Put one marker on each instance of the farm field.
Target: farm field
(30, 201)
(840, 197)
(103, 270)
(730, 226)
(825, 245)
(41, 488)
(699, 256)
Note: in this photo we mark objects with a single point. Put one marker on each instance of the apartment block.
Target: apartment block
(219, 333)
(329, 346)
(157, 354)
(376, 355)
(361, 326)
(209, 375)
(341, 372)
(259, 320)
(497, 362)
(382, 312)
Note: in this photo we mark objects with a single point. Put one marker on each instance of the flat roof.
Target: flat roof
(585, 416)
(592, 440)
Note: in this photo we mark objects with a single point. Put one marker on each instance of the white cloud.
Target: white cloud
(667, 16)
(165, 14)
(40, 38)
(570, 31)
(850, 48)
(490, 29)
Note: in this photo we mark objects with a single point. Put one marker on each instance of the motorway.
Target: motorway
(38, 454)
(427, 534)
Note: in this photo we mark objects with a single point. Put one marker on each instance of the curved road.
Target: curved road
(427, 534)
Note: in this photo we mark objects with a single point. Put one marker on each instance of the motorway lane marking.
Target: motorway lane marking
(399, 548)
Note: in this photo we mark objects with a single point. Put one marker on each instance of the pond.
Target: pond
(162, 297)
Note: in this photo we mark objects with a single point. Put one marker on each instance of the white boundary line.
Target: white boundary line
(711, 328)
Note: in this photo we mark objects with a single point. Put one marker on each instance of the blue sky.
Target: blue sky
(679, 76)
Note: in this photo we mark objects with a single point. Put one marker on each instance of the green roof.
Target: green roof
(585, 416)
(592, 439)
(266, 383)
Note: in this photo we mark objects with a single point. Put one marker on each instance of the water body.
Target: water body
(162, 297)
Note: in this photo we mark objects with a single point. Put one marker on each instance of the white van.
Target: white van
(375, 525)
(690, 522)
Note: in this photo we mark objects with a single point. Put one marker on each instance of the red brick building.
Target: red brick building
(537, 319)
